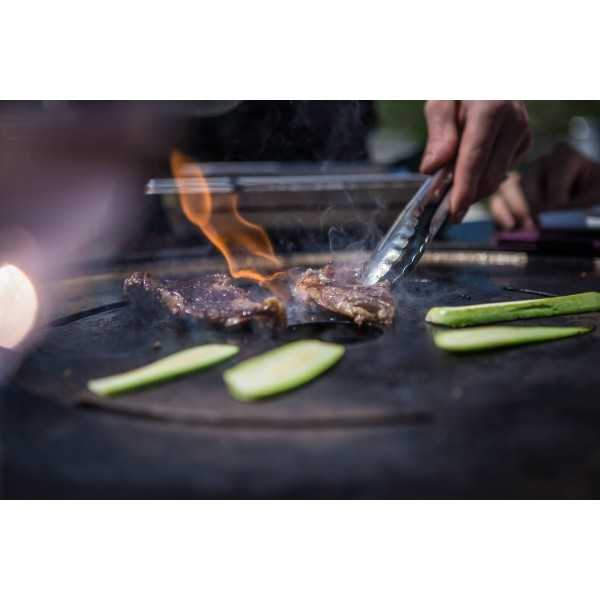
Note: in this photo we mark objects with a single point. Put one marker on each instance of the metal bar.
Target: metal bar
(290, 183)
(87, 313)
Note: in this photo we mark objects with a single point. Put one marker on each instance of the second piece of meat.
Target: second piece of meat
(339, 291)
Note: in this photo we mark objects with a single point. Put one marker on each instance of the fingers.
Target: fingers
(509, 205)
(442, 134)
(518, 205)
(474, 153)
(501, 213)
(483, 138)
(562, 179)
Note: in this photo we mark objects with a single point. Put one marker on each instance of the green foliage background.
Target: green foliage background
(548, 117)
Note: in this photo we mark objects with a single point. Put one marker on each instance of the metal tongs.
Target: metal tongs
(402, 246)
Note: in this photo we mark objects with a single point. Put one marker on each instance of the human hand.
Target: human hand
(483, 139)
(561, 180)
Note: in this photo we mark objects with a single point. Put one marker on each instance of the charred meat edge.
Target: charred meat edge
(214, 298)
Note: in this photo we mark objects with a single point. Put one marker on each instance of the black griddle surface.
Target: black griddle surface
(396, 418)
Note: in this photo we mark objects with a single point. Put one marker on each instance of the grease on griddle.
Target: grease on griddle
(338, 332)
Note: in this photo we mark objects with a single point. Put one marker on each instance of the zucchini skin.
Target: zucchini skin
(479, 314)
(281, 369)
(476, 339)
(169, 367)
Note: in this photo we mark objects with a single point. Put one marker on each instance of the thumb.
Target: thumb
(442, 134)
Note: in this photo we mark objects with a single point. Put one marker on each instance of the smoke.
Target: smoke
(309, 135)
(362, 232)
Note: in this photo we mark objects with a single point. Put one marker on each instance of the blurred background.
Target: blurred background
(401, 126)
(86, 184)
(69, 169)
(86, 179)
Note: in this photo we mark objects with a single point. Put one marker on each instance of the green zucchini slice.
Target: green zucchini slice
(180, 363)
(281, 369)
(479, 314)
(475, 339)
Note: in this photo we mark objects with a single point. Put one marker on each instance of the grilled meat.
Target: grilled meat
(339, 291)
(219, 300)
(215, 299)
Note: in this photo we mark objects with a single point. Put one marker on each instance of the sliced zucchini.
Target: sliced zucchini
(475, 339)
(478, 314)
(281, 369)
(180, 363)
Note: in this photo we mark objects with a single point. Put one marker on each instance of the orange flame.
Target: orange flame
(237, 239)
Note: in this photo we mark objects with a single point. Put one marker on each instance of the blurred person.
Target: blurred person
(564, 179)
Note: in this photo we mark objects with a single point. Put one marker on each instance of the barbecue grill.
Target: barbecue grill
(396, 418)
